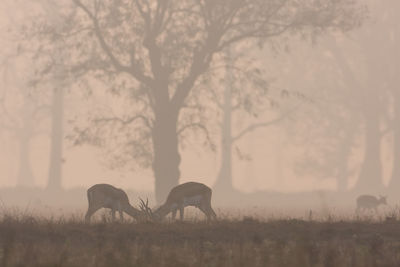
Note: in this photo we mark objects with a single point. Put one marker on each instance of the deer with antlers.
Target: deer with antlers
(188, 194)
(107, 196)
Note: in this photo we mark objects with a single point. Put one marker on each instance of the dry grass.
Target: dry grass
(35, 241)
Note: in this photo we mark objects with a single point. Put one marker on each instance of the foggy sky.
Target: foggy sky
(274, 150)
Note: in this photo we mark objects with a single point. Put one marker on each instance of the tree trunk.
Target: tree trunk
(344, 156)
(25, 176)
(370, 177)
(224, 184)
(166, 153)
(56, 146)
(395, 177)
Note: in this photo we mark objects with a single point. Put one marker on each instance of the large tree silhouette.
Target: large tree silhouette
(372, 89)
(165, 47)
(367, 108)
(246, 94)
(43, 46)
(388, 66)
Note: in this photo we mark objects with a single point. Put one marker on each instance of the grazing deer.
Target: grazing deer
(368, 202)
(187, 194)
(107, 196)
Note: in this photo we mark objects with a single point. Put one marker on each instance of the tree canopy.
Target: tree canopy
(157, 51)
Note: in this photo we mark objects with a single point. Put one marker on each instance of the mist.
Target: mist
(302, 110)
(199, 133)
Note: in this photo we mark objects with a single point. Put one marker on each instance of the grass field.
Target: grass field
(39, 241)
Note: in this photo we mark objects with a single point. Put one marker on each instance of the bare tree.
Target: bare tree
(22, 112)
(51, 68)
(165, 48)
(389, 67)
(369, 98)
(58, 82)
(365, 107)
(333, 122)
(246, 94)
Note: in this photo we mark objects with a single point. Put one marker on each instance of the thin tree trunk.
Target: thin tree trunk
(224, 185)
(395, 177)
(56, 146)
(344, 155)
(224, 179)
(25, 176)
(370, 180)
(352, 82)
(394, 183)
(54, 182)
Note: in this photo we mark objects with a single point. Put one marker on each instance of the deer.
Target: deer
(107, 196)
(188, 194)
(368, 202)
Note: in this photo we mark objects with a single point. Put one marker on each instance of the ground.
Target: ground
(68, 241)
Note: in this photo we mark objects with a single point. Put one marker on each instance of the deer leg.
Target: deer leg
(174, 214)
(212, 212)
(181, 209)
(208, 211)
(113, 214)
(119, 208)
(91, 210)
(204, 210)
(207, 206)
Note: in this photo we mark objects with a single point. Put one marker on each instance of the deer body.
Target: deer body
(188, 194)
(107, 196)
(368, 202)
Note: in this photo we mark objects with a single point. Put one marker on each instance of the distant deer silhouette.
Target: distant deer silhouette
(368, 202)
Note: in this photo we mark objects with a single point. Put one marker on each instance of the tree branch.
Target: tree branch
(201, 62)
(217, 101)
(202, 58)
(125, 122)
(133, 70)
(145, 15)
(196, 125)
(256, 126)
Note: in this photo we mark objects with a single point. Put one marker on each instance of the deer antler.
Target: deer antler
(144, 206)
